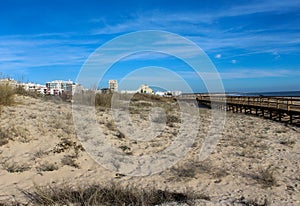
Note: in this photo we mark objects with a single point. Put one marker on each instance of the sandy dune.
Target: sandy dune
(256, 160)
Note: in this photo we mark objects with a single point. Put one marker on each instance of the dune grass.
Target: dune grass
(108, 195)
(7, 93)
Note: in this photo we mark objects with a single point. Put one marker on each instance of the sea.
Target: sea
(268, 94)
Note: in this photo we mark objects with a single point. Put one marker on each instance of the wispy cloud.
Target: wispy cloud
(241, 73)
(23, 52)
(194, 21)
(203, 27)
(262, 7)
(257, 73)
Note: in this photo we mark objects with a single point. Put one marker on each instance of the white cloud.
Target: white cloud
(276, 55)
(218, 56)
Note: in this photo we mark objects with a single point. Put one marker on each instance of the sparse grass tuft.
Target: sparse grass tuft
(266, 177)
(185, 172)
(173, 119)
(192, 168)
(289, 143)
(246, 202)
(47, 167)
(67, 144)
(13, 167)
(4, 137)
(70, 161)
(111, 126)
(39, 154)
(120, 135)
(109, 195)
(125, 149)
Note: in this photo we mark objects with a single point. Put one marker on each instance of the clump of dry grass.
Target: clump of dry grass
(243, 201)
(14, 167)
(7, 93)
(111, 126)
(67, 144)
(103, 100)
(47, 167)
(289, 143)
(100, 195)
(192, 168)
(173, 119)
(4, 137)
(266, 177)
(69, 160)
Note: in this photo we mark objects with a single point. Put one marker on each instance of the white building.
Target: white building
(113, 85)
(60, 86)
(159, 93)
(32, 86)
(168, 93)
(145, 89)
(128, 91)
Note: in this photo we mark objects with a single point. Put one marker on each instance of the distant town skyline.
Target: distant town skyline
(254, 45)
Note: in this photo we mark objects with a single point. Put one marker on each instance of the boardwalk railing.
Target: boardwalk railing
(283, 109)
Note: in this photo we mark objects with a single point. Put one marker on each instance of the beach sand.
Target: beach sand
(255, 161)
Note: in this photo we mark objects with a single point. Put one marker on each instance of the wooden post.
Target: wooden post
(259, 101)
(279, 116)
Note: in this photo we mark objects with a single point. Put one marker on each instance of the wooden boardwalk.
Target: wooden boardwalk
(282, 109)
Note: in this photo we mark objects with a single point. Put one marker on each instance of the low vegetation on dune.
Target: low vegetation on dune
(7, 93)
(6, 99)
(104, 195)
(105, 99)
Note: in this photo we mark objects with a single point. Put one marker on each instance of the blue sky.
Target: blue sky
(255, 45)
